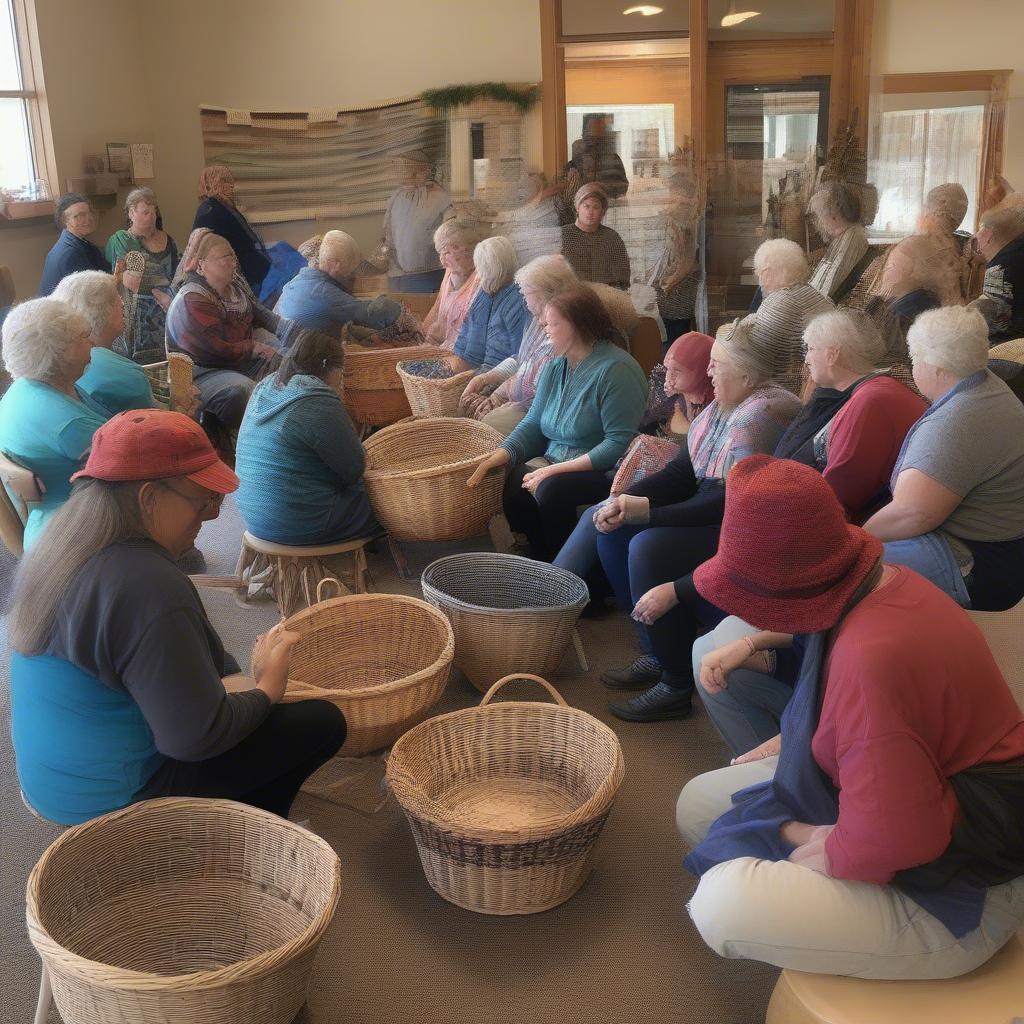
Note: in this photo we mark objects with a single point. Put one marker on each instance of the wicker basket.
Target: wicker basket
(506, 801)
(182, 911)
(373, 390)
(416, 475)
(430, 396)
(382, 658)
(508, 613)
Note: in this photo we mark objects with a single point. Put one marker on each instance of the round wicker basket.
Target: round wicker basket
(416, 475)
(506, 801)
(182, 911)
(383, 659)
(374, 395)
(433, 396)
(508, 613)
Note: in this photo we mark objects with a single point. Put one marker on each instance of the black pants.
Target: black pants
(675, 329)
(548, 516)
(268, 767)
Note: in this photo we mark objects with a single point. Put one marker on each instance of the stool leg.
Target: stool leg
(45, 997)
(398, 555)
(360, 570)
(580, 655)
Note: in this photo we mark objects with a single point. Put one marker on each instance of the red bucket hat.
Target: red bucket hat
(152, 444)
(787, 559)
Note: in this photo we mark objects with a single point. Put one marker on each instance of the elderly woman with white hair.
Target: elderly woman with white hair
(595, 251)
(46, 424)
(836, 209)
(111, 380)
(320, 297)
(455, 241)
(957, 509)
(493, 328)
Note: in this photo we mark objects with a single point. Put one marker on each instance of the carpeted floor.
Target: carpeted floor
(621, 951)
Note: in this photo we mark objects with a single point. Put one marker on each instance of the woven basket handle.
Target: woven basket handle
(505, 680)
(328, 579)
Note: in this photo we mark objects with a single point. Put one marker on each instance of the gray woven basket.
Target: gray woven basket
(509, 614)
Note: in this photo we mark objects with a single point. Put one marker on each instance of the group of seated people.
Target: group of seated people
(795, 513)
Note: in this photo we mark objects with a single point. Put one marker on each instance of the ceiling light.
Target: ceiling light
(734, 17)
(645, 9)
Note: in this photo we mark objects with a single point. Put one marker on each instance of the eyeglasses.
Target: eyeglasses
(201, 505)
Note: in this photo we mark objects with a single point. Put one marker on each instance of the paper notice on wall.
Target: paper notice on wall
(509, 141)
(142, 160)
(238, 116)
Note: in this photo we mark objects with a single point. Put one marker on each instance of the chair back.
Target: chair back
(645, 343)
(1004, 632)
(20, 491)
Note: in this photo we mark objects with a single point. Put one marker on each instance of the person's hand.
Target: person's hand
(716, 665)
(270, 661)
(483, 407)
(770, 748)
(468, 404)
(132, 280)
(261, 351)
(260, 649)
(477, 385)
(610, 515)
(119, 265)
(810, 844)
(162, 298)
(655, 603)
(536, 477)
(495, 460)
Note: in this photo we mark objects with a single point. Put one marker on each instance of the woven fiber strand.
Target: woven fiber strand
(182, 911)
(416, 475)
(508, 613)
(432, 396)
(506, 801)
(382, 658)
(373, 390)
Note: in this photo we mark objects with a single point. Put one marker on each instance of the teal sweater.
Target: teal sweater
(591, 409)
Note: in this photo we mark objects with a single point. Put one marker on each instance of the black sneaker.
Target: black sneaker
(640, 674)
(658, 704)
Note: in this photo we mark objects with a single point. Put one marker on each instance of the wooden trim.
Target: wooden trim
(851, 67)
(699, 95)
(553, 125)
(619, 37)
(612, 63)
(993, 141)
(43, 150)
(945, 81)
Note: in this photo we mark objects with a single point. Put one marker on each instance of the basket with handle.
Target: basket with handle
(506, 801)
(182, 911)
(429, 393)
(374, 395)
(383, 659)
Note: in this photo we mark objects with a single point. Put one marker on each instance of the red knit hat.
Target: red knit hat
(787, 559)
(152, 444)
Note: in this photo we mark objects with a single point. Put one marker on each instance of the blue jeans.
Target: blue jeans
(931, 557)
(419, 284)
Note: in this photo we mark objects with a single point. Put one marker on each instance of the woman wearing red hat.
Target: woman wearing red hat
(892, 818)
(116, 675)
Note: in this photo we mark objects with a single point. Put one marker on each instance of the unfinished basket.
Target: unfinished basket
(374, 395)
(382, 658)
(182, 911)
(416, 475)
(506, 801)
(432, 395)
(508, 613)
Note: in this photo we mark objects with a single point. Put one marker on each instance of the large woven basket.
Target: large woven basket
(432, 396)
(182, 911)
(383, 659)
(374, 395)
(508, 613)
(416, 475)
(506, 801)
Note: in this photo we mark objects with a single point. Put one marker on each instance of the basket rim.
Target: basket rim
(430, 381)
(100, 975)
(427, 809)
(395, 685)
(421, 474)
(359, 351)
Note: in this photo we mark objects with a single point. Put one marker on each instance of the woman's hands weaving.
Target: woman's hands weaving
(271, 657)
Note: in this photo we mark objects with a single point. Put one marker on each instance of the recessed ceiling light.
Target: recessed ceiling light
(734, 17)
(645, 9)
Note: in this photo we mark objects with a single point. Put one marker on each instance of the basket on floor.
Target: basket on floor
(182, 910)
(508, 613)
(383, 659)
(506, 801)
(374, 395)
(416, 475)
(432, 387)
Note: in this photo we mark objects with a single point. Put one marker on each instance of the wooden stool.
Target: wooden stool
(993, 994)
(294, 572)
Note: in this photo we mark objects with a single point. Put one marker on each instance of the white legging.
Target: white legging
(793, 917)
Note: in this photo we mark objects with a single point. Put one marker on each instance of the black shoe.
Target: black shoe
(640, 674)
(658, 704)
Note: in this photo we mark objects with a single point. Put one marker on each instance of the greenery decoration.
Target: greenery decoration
(451, 96)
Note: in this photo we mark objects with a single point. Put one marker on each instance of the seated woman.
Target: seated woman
(665, 525)
(217, 212)
(144, 331)
(596, 252)
(111, 381)
(455, 241)
(46, 424)
(680, 388)
(513, 382)
(321, 297)
(72, 251)
(1000, 240)
(298, 456)
(957, 509)
(212, 320)
(899, 722)
(836, 209)
(944, 209)
(498, 316)
(589, 401)
(116, 677)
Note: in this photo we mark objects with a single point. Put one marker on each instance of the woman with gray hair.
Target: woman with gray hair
(493, 328)
(455, 241)
(46, 424)
(836, 210)
(957, 509)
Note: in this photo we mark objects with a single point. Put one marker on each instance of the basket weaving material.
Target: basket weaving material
(508, 613)
(506, 801)
(430, 394)
(416, 475)
(182, 911)
(373, 390)
(382, 658)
